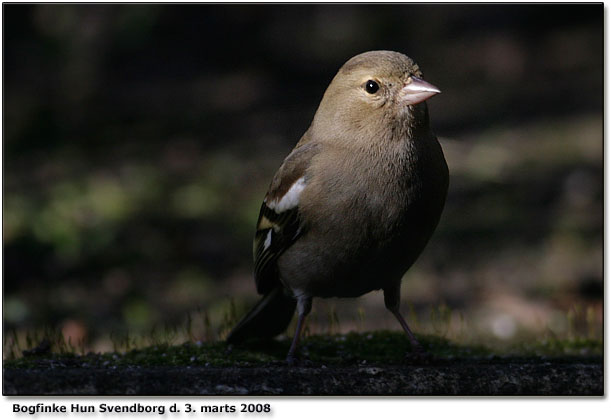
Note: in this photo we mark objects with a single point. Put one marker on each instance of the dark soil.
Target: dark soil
(373, 363)
(441, 377)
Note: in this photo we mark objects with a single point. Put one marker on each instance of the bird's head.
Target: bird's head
(373, 91)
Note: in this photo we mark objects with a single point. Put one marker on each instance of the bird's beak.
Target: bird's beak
(417, 90)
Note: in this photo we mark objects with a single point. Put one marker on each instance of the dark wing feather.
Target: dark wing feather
(285, 231)
(277, 231)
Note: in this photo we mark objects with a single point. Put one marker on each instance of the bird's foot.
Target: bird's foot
(295, 361)
(418, 355)
(291, 360)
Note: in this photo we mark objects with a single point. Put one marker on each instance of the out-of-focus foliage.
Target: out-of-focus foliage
(139, 140)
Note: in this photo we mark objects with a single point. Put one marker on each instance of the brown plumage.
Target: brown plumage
(355, 202)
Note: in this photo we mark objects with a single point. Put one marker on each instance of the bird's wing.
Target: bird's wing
(279, 223)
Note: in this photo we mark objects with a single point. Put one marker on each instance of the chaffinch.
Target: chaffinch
(355, 202)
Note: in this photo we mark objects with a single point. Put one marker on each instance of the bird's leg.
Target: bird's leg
(304, 305)
(412, 339)
(392, 299)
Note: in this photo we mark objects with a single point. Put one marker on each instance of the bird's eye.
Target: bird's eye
(371, 86)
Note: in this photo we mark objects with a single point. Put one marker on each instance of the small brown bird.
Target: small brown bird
(355, 202)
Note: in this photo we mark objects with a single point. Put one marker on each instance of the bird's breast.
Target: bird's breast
(365, 225)
(362, 195)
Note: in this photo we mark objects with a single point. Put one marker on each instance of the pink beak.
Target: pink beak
(418, 91)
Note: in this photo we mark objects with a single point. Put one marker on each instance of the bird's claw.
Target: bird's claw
(419, 355)
(294, 361)
(291, 360)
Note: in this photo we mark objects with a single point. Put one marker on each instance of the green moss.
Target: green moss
(559, 348)
(381, 347)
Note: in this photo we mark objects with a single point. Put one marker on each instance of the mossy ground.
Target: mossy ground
(381, 347)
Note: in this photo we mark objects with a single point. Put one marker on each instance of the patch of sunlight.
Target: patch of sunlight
(489, 160)
(107, 198)
(196, 200)
(137, 314)
(493, 153)
(52, 225)
(15, 310)
(16, 214)
(503, 326)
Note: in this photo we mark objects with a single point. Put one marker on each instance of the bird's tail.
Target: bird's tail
(270, 316)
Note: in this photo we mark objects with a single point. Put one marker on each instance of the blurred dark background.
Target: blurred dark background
(139, 141)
